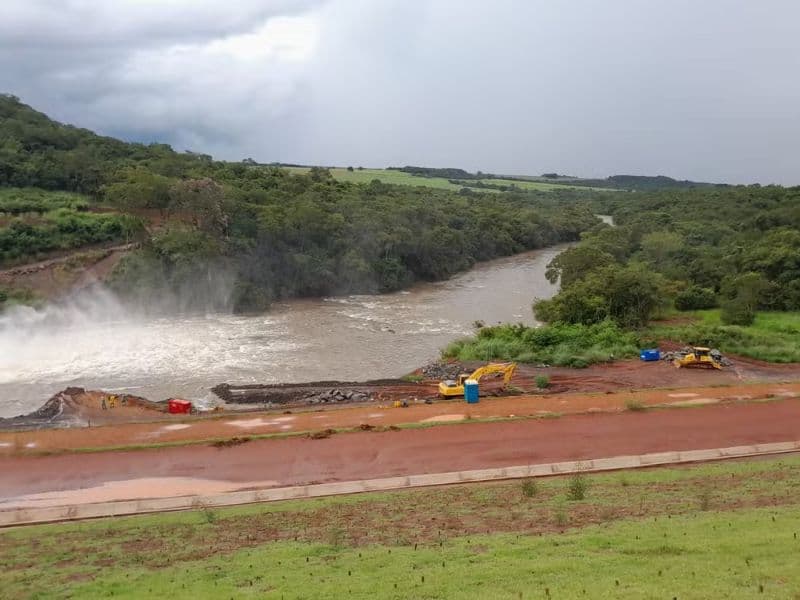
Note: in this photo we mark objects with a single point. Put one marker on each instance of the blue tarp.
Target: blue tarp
(650, 354)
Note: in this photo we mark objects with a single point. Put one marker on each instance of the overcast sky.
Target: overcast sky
(705, 90)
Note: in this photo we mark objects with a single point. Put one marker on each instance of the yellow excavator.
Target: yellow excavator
(698, 358)
(450, 388)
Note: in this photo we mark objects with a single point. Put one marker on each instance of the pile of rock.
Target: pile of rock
(336, 395)
(441, 370)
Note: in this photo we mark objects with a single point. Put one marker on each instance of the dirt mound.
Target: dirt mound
(441, 370)
(77, 407)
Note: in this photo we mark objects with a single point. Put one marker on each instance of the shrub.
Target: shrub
(542, 382)
(529, 488)
(577, 487)
(737, 312)
(413, 378)
(696, 298)
(634, 405)
(559, 344)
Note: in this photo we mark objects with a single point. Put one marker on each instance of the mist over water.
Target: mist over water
(93, 341)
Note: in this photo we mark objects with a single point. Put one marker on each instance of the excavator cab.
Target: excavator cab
(450, 387)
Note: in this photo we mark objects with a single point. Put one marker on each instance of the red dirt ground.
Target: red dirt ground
(367, 455)
(175, 428)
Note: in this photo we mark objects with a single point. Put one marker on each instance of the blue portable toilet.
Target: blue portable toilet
(471, 391)
(650, 355)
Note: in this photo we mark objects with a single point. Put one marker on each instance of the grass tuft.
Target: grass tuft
(634, 405)
(577, 487)
(529, 488)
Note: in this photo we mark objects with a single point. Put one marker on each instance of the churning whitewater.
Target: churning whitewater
(94, 343)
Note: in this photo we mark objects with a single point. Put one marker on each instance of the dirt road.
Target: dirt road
(69, 272)
(60, 479)
(177, 428)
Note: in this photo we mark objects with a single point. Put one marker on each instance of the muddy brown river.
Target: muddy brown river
(345, 338)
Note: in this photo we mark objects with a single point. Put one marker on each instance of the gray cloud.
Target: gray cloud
(693, 90)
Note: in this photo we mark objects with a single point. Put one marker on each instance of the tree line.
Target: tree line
(258, 231)
(734, 247)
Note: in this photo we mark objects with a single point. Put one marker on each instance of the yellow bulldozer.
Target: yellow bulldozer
(698, 358)
(450, 388)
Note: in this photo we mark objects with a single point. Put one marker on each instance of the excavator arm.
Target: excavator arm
(506, 368)
(450, 389)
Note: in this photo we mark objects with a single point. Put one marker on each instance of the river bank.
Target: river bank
(77, 408)
(98, 345)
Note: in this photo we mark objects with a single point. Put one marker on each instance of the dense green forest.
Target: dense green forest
(259, 232)
(731, 251)
(736, 247)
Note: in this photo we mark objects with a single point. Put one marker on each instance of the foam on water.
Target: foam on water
(94, 342)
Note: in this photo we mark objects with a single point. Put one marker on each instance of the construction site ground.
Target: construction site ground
(85, 411)
(178, 429)
(720, 417)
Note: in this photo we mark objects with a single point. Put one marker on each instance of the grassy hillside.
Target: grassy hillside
(773, 336)
(36, 223)
(715, 531)
(241, 235)
(543, 186)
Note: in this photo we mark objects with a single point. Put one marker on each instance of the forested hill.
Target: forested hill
(737, 248)
(243, 234)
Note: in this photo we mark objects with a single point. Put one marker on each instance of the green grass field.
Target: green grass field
(387, 176)
(542, 185)
(401, 178)
(773, 337)
(726, 530)
(16, 201)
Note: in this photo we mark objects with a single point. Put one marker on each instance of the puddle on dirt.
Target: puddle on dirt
(697, 402)
(175, 427)
(149, 487)
(444, 418)
(251, 423)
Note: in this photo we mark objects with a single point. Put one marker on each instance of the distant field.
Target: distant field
(725, 530)
(542, 185)
(401, 178)
(387, 176)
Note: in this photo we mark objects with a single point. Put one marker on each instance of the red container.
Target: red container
(177, 407)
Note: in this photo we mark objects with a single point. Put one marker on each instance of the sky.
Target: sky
(706, 91)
